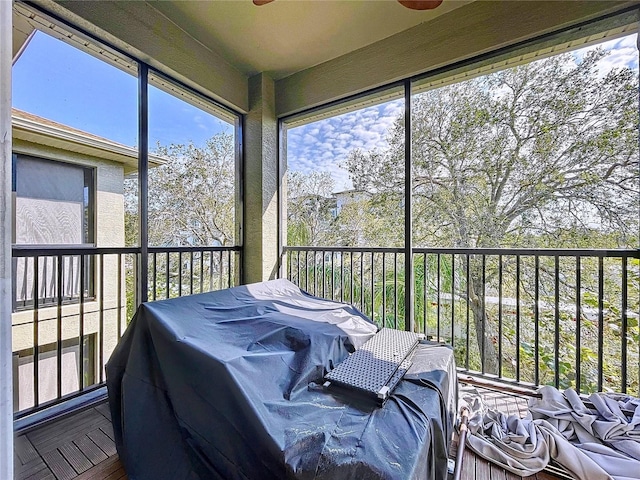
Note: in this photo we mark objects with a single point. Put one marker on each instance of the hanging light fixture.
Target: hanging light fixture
(420, 4)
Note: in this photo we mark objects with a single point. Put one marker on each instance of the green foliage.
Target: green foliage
(543, 155)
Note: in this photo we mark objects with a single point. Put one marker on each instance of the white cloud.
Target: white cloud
(623, 52)
(326, 144)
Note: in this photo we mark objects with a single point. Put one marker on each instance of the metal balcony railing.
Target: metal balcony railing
(567, 318)
(73, 303)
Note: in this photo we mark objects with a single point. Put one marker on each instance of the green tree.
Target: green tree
(516, 156)
(192, 197)
(192, 201)
(309, 207)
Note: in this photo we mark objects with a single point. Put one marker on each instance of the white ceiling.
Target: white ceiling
(286, 36)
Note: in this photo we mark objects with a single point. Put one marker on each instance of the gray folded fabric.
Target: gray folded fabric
(600, 443)
(514, 444)
(604, 434)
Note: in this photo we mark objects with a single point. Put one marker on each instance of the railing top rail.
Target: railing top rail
(345, 249)
(66, 250)
(234, 248)
(539, 252)
(542, 252)
(88, 249)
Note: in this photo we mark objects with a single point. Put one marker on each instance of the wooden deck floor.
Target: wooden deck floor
(80, 446)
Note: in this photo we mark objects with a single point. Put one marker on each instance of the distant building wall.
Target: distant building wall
(109, 232)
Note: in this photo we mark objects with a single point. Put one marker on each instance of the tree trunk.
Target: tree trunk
(484, 336)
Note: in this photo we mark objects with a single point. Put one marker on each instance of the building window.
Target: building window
(54, 205)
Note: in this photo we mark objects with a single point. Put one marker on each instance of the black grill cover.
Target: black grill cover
(225, 385)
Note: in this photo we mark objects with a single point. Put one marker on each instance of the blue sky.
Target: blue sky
(59, 82)
(325, 144)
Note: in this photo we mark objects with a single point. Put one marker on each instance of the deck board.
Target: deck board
(103, 441)
(91, 450)
(31, 469)
(75, 446)
(25, 451)
(104, 470)
(59, 465)
(75, 457)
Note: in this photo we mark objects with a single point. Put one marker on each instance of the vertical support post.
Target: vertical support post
(143, 183)
(282, 199)
(409, 287)
(261, 182)
(6, 366)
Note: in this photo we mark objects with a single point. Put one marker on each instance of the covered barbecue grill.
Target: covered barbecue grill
(229, 385)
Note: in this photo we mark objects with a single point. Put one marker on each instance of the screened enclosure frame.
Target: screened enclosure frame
(590, 32)
(145, 71)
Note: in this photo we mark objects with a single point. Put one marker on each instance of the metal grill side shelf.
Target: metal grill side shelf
(378, 366)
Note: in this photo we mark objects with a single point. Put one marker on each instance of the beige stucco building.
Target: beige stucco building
(68, 189)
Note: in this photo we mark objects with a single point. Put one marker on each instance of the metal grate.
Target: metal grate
(377, 367)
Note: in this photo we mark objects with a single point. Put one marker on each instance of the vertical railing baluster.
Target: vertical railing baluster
(315, 273)
(333, 283)
(306, 271)
(59, 280)
(362, 281)
(179, 274)
(351, 275)
(625, 323)
(45, 276)
(395, 290)
(119, 296)
(191, 272)
(289, 257)
(229, 268)
(36, 333)
(69, 280)
(342, 276)
(101, 317)
(384, 289)
(299, 282)
(438, 296)
(425, 289)
(517, 318)
(167, 273)
(323, 273)
(81, 326)
(600, 321)
(484, 312)
(500, 273)
(578, 323)
(201, 271)
(453, 281)
(468, 333)
(220, 270)
(556, 319)
(372, 287)
(211, 289)
(155, 276)
(536, 320)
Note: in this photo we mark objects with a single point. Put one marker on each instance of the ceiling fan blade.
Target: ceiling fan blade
(419, 4)
(261, 2)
